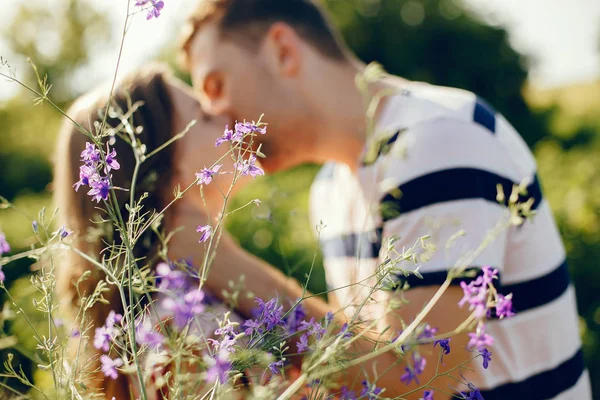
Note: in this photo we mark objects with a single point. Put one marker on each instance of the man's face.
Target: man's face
(217, 67)
(240, 83)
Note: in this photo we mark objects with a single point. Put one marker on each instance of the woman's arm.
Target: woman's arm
(231, 261)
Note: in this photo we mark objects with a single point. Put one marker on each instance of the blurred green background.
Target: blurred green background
(443, 44)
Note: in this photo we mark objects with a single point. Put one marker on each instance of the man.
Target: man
(435, 161)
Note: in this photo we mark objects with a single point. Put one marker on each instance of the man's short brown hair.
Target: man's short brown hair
(247, 21)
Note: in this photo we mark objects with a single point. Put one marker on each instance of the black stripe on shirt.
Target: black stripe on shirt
(369, 244)
(526, 295)
(545, 385)
(539, 291)
(484, 115)
(451, 185)
(436, 278)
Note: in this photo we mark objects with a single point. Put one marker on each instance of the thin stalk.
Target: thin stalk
(12, 299)
(437, 375)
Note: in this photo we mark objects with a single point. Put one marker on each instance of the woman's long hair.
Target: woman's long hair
(148, 88)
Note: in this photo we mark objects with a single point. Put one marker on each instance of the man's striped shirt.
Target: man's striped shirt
(440, 157)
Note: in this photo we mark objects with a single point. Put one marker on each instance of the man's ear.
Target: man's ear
(282, 48)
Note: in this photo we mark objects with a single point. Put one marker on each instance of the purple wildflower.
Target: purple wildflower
(146, 335)
(408, 376)
(106, 333)
(102, 338)
(276, 366)
(444, 344)
(99, 189)
(63, 232)
(476, 292)
(314, 383)
(227, 330)
(111, 160)
(411, 374)
(314, 328)
(479, 338)
(109, 366)
(226, 344)
(252, 326)
(86, 175)
(473, 394)
(112, 319)
(206, 175)
(219, 367)
(181, 312)
(34, 226)
(420, 363)
(186, 308)
(370, 391)
(347, 394)
(157, 7)
(428, 332)
(428, 395)
(246, 128)
(489, 274)
(345, 332)
(195, 297)
(504, 307)
(91, 154)
(486, 355)
(229, 136)
(271, 313)
(154, 10)
(268, 315)
(476, 296)
(248, 168)
(88, 172)
(4, 246)
(293, 319)
(206, 232)
(89, 175)
(302, 344)
(170, 279)
(328, 318)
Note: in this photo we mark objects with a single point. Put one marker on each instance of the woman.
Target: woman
(165, 108)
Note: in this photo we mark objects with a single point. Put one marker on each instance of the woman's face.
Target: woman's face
(196, 150)
(187, 109)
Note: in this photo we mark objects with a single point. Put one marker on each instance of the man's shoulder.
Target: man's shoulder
(418, 103)
(422, 121)
(425, 115)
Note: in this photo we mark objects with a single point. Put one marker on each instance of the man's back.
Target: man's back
(435, 170)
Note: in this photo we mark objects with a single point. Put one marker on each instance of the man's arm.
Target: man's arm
(389, 367)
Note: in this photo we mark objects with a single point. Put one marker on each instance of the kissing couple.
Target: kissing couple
(412, 161)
